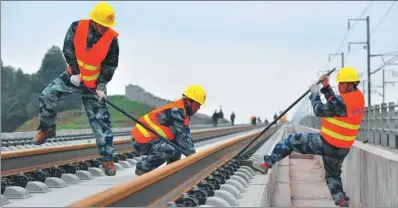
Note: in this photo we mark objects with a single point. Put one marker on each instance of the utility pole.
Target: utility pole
(384, 92)
(385, 83)
(368, 58)
(363, 85)
(338, 54)
(368, 51)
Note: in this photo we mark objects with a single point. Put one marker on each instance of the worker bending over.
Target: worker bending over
(342, 116)
(91, 51)
(172, 122)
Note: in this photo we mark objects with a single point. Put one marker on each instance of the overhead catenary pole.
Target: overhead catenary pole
(387, 82)
(367, 19)
(368, 58)
(384, 92)
(342, 59)
(338, 54)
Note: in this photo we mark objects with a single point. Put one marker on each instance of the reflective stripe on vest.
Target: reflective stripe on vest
(153, 126)
(142, 135)
(342, 131)
(89, 62)
(89, 68)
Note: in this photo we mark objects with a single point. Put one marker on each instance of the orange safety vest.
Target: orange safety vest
(89, 62)
(342, 131)
(142, 135)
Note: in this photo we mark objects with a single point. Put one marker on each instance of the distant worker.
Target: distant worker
(275, 116)
(266, 122)
(341, 119)
(172, 122)
(253, 120)
(215, 118)
(91, 50)
(220, 116)
(258, 119)
(233, 118)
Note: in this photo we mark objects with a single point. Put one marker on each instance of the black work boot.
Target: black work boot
(139, 171)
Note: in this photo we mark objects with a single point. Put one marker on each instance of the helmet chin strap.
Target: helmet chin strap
(188, 106)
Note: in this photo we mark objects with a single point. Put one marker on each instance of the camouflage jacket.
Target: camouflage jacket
(109, 64)
(174, 119)
(334, 107)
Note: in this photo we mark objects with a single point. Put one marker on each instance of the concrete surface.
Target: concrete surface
(282, 195)
(307, 183)
(369, 174)
(259, 192)
(255, 192)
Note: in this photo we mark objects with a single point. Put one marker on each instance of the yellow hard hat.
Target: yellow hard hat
(103, 14)
(347, 74)
(196, 93)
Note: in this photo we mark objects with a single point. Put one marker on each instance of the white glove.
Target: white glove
(314, 88)
(100, 95)
(75, 80)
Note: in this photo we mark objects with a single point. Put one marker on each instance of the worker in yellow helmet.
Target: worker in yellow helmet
(341, 119)
(91, 51)
(172, 122)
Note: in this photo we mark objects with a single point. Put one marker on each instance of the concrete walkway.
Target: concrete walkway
(300, 183)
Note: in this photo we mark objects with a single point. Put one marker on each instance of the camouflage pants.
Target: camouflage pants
(313, 143)
(157, 152)
(97, 112)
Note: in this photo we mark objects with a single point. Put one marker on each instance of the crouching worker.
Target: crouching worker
(172, 122)
(341, 119)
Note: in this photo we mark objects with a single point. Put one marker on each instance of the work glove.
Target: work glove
(324, 80)
(100, 95)
(75, 80)
(314, 88)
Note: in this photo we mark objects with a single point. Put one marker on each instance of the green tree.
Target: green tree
(20, 91)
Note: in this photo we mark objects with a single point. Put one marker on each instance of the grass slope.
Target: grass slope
(77, 119)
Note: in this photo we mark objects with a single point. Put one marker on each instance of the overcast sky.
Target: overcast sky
(254, 58)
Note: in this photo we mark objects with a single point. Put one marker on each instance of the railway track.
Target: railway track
(184, 183)
(58, 166)
(23, 140)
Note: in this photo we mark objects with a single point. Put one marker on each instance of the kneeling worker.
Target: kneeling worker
(172, 122)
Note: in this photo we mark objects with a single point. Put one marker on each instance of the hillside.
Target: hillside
(140, 95)
(20, 103)
(77, 119)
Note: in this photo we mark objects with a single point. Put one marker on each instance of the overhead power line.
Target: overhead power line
(382, 19)
(352, 26)
(389, 62)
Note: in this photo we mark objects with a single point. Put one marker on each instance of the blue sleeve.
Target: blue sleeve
(174, 118)
(327, 92)
(333, 107)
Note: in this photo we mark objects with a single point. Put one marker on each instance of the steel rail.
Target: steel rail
(88, 132)
(165, 184)
(30, 160)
